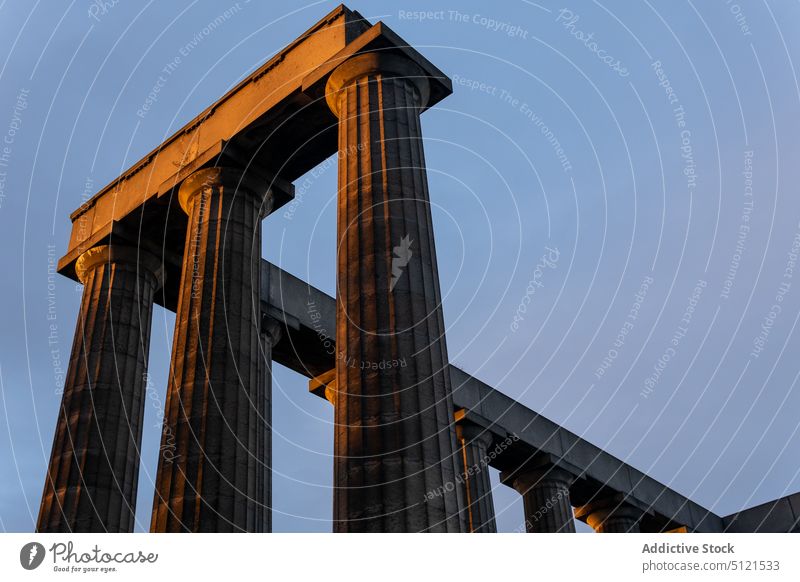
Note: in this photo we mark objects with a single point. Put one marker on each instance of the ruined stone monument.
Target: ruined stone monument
(413, 444)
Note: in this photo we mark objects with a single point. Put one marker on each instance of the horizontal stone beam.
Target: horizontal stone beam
(309, 318)
(599, 473)
(779, 516)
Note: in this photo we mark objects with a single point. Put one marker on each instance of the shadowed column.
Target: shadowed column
(209, 468)
(475, 442)
(545, 495)
(394, 439)
(94, 465)
(261, 420)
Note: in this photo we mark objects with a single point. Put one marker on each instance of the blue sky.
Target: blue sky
(656, 159)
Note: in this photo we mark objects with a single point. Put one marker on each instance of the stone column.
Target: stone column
(395, 438)
(545, 495)
(271, 332)
(208, 466)
(94, 464)
(475, 442)
(611, 515)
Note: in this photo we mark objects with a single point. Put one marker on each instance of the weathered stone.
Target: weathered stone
(261, 424)
(545, 495)
(94, 465)
(209, 466)
(475, 442)
(394, 443)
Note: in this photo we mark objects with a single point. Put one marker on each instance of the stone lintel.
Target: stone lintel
(542, 463)
(464, 415)
(134, 229)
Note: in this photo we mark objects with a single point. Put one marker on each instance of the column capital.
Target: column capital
(388, 65)
(103, 254)
(226, 177)
(324, 386)
(545, 490)
(528, 476)
(271, 328)
(474, 433)
(610, 514)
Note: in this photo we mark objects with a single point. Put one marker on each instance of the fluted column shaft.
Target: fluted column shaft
(545, 495)
(261, 418)
(94, 464)
(475, 442)
(394, 438)
(208, 468)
